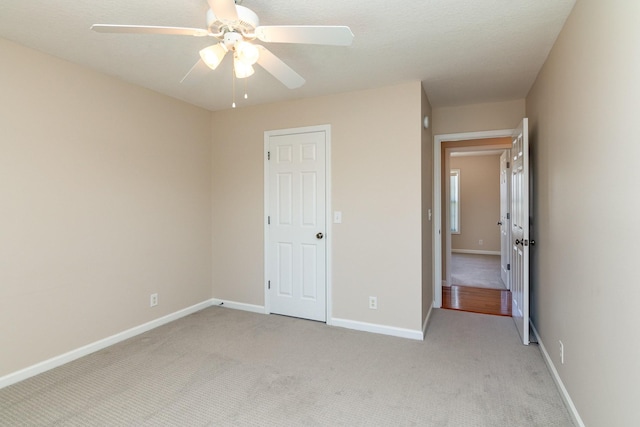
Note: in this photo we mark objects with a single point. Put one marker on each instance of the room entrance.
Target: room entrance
(472, 207)
(518, 223)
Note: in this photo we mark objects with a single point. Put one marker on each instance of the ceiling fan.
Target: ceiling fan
(236, 28)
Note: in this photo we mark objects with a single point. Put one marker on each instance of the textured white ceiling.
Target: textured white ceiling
(463, 51)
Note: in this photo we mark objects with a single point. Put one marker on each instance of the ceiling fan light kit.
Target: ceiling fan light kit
(213, 55)
(247, 52)
(236, 27)
(242, 69)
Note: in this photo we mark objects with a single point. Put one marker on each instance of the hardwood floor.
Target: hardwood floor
(477, 300)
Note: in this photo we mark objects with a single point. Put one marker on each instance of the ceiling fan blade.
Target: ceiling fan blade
(146, 29)
(310, 34)
(196, 73)
(279, 69)
(225, 10)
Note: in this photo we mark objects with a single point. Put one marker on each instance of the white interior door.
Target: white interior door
(503, 222)
(296, 251)
(520, 229)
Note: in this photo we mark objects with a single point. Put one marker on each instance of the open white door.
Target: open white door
(296, 242)
(520, 229)
(504, 221)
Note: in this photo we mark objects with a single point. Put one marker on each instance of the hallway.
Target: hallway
(477, 300)
(476, 285)
(481, 271)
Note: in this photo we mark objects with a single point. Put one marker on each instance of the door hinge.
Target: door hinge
(508, 267)
(269, 284)
(268, 155)
(268, 220)
(508, 215)
(508, 165)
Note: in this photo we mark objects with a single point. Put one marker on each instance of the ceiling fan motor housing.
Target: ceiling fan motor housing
(231, 38)
(246, 23)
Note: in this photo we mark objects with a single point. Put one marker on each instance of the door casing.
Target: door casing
(445, 209)
(437, 198)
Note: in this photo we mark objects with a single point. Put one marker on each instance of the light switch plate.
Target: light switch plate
(337, 217)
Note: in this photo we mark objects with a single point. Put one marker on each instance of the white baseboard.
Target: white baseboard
(573, 411)
(474, 252)
(239, 306)
(378, 329)
(426, 321)
(342, 323)
(72, 355)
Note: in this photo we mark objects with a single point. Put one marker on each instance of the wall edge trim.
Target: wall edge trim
(426, 321)
(564, 393)
(474, 252)
(239, 306)
(85, 350)
(378, 329)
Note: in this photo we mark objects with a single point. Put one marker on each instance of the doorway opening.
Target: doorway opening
(473, 204)
(444, 146)
(472, 179)
(518, 222)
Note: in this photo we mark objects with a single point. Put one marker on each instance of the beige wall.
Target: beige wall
(105, 197)
(111, 192)
(478, 117)
(584, 280)
(427, 210)
(479, 203)
(376, 181)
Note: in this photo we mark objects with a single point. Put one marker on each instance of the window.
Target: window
(454, 202)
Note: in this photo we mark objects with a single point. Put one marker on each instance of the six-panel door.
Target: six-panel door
(297, 245)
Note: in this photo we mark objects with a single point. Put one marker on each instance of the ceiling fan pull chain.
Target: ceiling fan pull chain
(233, 87)
(246, 95)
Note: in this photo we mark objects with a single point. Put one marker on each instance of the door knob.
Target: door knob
(319, 236)
(518, 241)
(499, 222)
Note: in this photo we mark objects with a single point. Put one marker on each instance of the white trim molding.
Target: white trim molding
(378, 329)
(426, 322)
(260, 309)
(573, 411)
(72, 355)
(474, 252)
(437, 198)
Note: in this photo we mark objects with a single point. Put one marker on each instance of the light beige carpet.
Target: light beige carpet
(222, 367)
(481, 271)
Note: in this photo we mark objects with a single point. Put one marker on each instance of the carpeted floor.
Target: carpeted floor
(223, 367)
(481, 271)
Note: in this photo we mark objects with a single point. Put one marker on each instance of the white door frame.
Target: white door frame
(437, 198)
(328, 229)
